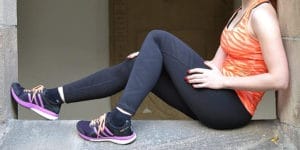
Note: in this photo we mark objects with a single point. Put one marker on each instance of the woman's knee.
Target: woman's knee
(157, 35)
(157, 32)
(124, 68)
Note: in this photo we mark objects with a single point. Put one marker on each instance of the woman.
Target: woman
(222, 93)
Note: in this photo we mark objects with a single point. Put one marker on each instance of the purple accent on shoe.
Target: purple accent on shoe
(104, 134)
(29, 97)
(124, 137)
(108, 132)
(41, 101)
(35, 100)
(31, 105)
(107, 138)
(95, 129)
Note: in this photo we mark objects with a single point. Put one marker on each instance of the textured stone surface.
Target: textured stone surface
(8, 69)
(289, 12)
(8, 12)
(289, 100)
(8, 59)
(8, 73)
(35, 135)
(291, 136)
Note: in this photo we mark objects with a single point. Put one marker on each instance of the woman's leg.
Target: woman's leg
(101, 84)
(47, 102)
(111, 80)
(165, 90)
(220, 109)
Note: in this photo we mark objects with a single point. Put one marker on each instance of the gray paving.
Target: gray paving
(57, 135)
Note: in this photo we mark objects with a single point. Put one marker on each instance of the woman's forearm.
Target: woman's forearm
(261, 82)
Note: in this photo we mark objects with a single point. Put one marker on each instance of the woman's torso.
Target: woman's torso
(244, 56)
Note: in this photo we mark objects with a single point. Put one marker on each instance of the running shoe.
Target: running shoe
(36, 100)
(101, 130)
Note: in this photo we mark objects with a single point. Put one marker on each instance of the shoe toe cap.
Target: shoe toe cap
(84, 128)
(17, 88)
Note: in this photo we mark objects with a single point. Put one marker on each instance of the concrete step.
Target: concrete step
(59, 135)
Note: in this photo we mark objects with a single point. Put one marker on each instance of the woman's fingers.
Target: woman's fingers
(205, 78)
(133, 55)
(196, 76)
(201, 85)
(197, 70)
(196, 81)
(211, 65)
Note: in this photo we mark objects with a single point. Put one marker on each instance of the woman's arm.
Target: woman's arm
(219, 58)
(265, 27)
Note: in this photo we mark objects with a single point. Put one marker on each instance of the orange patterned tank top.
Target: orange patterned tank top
(244, 56)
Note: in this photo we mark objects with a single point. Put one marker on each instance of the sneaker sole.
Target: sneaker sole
(111, 139)
(36, 108)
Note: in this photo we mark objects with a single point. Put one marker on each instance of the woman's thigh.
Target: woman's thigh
(166, 91)
(220, 109)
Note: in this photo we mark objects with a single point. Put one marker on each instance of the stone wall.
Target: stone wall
(289, 100)
(8, 57)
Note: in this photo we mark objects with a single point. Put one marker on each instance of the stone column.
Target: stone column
(8, 57)
(289, 100)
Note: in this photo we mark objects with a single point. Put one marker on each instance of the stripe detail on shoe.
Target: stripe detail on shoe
(41, 101)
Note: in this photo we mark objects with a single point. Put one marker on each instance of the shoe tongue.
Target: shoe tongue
(94, 126)
(95, 129)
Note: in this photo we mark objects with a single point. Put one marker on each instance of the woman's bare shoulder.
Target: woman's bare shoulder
(264, 18)
(263, 10)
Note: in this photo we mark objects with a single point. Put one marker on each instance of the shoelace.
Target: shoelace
(100, 122)
(35, 90)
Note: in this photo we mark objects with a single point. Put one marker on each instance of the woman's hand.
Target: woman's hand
(206, 78)
(133, 55)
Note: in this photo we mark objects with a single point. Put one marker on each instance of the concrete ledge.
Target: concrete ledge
(36, 135)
